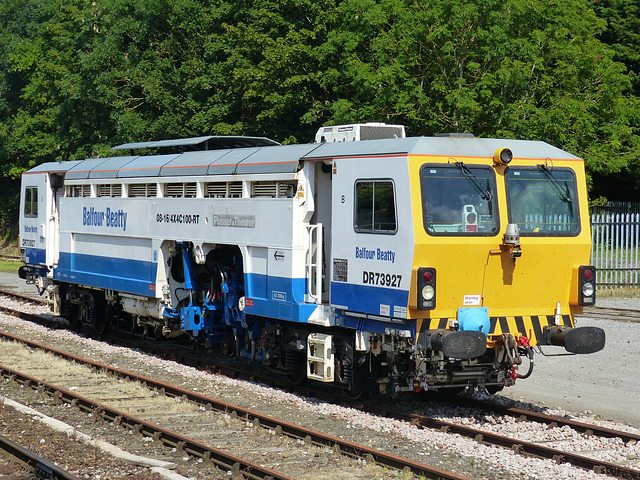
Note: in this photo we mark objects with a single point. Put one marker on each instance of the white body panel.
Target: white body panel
(378, 265)
(39, 231)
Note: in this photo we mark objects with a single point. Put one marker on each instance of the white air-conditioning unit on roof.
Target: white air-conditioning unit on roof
(359, 131)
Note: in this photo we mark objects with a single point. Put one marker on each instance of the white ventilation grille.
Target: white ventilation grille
(142, 189)
(109, 190)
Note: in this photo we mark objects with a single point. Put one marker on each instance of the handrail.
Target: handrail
(313, 270)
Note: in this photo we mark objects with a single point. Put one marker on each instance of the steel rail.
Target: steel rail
(42, 468)
(20, 296)
(554, 422)
(494, 439)
(210, 455)
(519, 446)
(292, 430)
(611, 313)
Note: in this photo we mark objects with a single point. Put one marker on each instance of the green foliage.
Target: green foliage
(623, 35)
(521, 69)
(77, 76)
(9, 265)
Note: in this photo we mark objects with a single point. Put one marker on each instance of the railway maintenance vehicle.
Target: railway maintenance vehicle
(368, 260)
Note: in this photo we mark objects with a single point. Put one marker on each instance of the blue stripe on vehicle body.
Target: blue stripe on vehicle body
(35, 256)
(120, 274)
(274, 297)
(367, 298)
(278, 297)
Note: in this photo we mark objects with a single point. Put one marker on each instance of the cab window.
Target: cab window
(31, 202)
(543, 200)
(459, 200)
(375, 207)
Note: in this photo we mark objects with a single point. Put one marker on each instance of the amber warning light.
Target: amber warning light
(502, 156)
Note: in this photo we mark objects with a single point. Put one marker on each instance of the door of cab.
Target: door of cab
(39, 219)
(372, 237)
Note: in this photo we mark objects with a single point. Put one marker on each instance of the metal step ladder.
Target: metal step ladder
(320, 358)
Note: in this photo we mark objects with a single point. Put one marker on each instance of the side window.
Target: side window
(31, 202)
(375, 209)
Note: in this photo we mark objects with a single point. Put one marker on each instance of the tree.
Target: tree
(622, 34)
(522, 69)
(43, 115)
(77, 77)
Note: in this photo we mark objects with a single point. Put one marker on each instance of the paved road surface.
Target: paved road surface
(11, 281)
(606, 383)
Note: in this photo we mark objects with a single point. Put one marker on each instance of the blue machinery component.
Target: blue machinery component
(214, 314)
(475, 319)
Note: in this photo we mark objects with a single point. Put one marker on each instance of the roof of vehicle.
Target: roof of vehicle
(287, 158)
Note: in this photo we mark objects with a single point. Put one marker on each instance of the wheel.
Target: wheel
(102, 320)
(227, 346)
(393, 390)
(75, 316)
(493, 389)
(297, 377)
(357, 395)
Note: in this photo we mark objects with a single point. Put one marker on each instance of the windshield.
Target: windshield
(543, 201)
(458, 199)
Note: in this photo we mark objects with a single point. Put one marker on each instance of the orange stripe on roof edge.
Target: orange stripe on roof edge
(491, 156)
(428, 155)
(382, 155)
(268, 163)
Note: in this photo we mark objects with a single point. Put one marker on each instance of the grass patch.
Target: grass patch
(9, 265)
(618, 292)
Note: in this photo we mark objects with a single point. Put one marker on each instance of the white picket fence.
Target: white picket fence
(614, 251)
(550, 223)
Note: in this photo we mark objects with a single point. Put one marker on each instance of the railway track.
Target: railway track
(204, 407)
(617, 314)
(518, 445)
(524, 447)
(34, 465)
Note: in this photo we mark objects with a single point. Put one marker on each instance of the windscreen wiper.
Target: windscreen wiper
(563, 191)
(484, 192)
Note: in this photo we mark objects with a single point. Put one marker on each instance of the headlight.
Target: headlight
(587, 289)
(428, 292)
(502, 156)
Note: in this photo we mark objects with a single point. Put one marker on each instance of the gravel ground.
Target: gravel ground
(78, 458)
(577, 383)
(588, 383)
(426, 446)
(604, 384)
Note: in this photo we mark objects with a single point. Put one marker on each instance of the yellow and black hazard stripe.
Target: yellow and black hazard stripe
(530, 326)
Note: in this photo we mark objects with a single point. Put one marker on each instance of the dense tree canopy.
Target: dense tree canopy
(79, 76)
(623, 35)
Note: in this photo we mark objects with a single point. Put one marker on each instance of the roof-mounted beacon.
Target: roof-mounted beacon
(359, 131)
